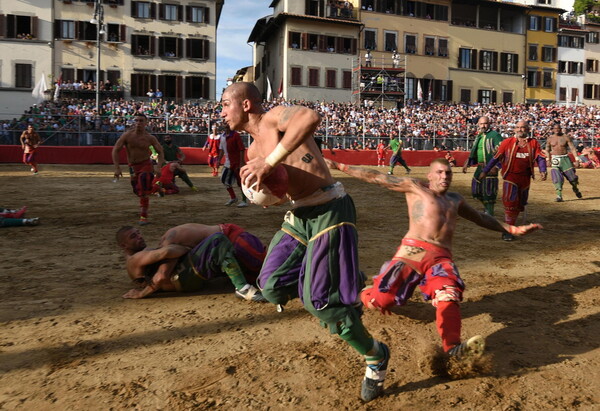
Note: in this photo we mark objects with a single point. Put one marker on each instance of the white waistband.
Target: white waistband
(321, 196)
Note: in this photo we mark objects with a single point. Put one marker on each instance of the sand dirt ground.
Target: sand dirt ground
(69, 341)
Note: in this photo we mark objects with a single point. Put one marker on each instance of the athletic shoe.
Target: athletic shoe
(230, 202)
(390, 173)
(472, 348)
(578, 194)
(242, 204)
(31, 221)
(559, 200)
(508, 237)
(408, 171)
(372, 385)
(32, 169)
(194, 188)
(250, 293)
(143, 221)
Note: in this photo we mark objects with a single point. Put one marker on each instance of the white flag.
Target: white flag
(269, 90)
(57, 91)
(419, 91)
(40, 88)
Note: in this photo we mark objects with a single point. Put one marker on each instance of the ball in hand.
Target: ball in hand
(273, 188)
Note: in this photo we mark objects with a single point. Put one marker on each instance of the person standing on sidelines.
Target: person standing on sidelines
(234, 151)
(557, 150)
(213, 142)
(485, 146)
(314, 256)
(30, 141)
(518, 156)
(136, 142)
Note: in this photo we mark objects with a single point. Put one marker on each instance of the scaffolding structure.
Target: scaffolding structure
(380, 80)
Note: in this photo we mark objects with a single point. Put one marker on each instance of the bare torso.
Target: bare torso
(30, 140)
(432, 217)
(138, 145)
(558, 144)
(188, 235)
(305, 166)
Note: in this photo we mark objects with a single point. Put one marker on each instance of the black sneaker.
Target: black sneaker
(559, 200)
(578, 194)
(372, 385)
(508, 237)
(472, 348)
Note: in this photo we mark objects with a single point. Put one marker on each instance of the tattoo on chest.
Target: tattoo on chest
(308, 158)
(417, 210)
(410, 250)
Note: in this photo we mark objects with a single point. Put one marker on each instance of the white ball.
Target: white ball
(262, 197)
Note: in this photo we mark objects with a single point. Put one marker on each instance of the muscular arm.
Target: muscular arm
(147, 257)
(297, 123)
(160, 281)
(400, 184)
(115, 154)
(489, 222)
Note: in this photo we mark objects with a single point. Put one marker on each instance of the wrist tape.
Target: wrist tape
(277, 155)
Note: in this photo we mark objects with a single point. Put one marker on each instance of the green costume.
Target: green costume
(213, 257)
(483, 151)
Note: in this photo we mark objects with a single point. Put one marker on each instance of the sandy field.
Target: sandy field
(69, 341)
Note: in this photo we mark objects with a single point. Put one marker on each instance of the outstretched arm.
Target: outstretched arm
(489, 222)
(401, 184)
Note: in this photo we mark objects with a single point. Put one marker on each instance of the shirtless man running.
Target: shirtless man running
(314, 255)
(190, 254)
(424, 258)
(137, 142)
(30, 141)
(557, 150)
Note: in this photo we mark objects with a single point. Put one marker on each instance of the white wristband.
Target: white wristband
(277, 155)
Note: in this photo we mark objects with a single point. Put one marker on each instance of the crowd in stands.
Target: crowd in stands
(87, 86)
(426, 125)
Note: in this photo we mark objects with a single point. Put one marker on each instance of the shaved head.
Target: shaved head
(440, 160)
(244, 91)
(121, 233)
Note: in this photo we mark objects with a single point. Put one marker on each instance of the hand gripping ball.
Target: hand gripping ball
(274, 188)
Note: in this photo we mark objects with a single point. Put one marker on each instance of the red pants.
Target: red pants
(431, 268)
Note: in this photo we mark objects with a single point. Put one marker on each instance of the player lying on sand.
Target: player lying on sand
(190, 254)
(424, 257)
